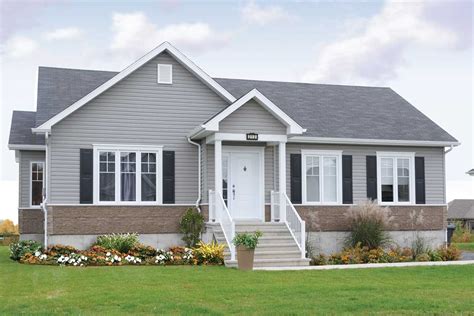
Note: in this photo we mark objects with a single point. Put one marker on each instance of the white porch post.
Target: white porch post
(282, 179)
(218, 174)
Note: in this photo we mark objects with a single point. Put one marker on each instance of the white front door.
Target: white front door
(245, 185)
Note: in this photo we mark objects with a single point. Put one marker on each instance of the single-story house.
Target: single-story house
(462, 210)
(130, 151)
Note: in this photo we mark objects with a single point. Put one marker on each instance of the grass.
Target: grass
(466, 246)
(29, 289)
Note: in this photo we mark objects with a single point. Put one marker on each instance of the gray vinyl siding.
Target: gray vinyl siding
(434, 167)
(269, 171)
(136, 111)
(26, 157)
(252, 117)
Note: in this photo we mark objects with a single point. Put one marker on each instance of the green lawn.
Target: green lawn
(466, 246)
(217, 290)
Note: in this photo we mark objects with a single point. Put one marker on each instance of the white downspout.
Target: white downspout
(45, 190)
(199, 172)
(445, 191)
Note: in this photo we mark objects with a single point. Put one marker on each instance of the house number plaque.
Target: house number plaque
(252, 136)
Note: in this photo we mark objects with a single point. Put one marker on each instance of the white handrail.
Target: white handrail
(296, 225)
(222, 215)
(288, 214)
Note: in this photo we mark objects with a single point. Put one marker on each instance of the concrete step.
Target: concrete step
(274, 254)
(260, 263)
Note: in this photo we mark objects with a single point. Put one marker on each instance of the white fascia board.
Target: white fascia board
(363, 141)
(181, 58)
(293, 127)
(27, 147)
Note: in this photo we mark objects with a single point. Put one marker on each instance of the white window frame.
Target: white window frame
(30, 185)
(321, 154)
(158, 150)
(395, 156)
(160, 79)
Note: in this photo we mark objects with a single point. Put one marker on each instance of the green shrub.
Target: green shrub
(21, 248)
(249, 241)
(191, 226)
(368, 224)
(120, 242)
(142, 251)
(419, 246)
(423, 257)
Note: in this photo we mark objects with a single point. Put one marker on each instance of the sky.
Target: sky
(422, 50)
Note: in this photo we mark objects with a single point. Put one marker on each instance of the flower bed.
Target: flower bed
(358, 254)
(203, 254)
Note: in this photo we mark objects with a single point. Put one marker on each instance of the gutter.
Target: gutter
(198, 201)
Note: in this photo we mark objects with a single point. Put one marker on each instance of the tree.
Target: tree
(8, 227)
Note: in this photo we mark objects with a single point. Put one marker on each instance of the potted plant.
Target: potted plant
(245, 244)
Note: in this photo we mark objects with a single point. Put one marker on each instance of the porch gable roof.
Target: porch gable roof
(212, 125)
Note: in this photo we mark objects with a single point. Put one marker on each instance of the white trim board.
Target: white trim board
(292, 126)
(180, 57)
(27, 147)
(368, 141)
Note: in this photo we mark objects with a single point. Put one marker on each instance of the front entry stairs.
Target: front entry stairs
(276, 248)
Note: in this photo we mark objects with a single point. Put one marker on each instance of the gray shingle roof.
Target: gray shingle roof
(58, 88)
(324, 110)
(461, 209)
(20, 131)
(345, 111)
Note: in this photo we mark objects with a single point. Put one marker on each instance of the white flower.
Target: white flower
(75, 263)
(108, 254)
(37, 254)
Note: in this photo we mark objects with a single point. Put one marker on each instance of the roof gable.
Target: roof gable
(181, 58)
(292, 127)
(461, 209)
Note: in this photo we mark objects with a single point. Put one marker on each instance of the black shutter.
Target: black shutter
(347, 179)
(371, 167)
(420, 180)
(295, 177)
(168, 177)
(86, 166)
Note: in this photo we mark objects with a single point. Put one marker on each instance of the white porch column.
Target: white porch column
(218, 167)
(282, 178)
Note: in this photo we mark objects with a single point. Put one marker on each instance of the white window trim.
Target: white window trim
(138, 150)
(160, 80)
(322, 153)
(30, 185)
(395, 155)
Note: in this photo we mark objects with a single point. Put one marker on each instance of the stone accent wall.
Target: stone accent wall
(332, 218)
(96, 220)
(31, 221)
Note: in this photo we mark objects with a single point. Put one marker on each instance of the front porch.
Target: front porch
(245, 161)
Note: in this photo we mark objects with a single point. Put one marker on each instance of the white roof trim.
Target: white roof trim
(292, 126)
(26, 147)
(186, 62)
(363, 141)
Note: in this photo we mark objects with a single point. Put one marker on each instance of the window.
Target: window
(107, 176)
(165, 74)
(321, 177)
(37, 169)
(148, 176)
(129, 175)
(395, 177)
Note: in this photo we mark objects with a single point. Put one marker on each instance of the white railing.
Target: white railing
(283, 210)
(219, 212)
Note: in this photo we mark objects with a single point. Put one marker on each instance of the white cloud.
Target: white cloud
(135, 33)
(375, 55)
(253, 13)
(19, 46)
(64, 34)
